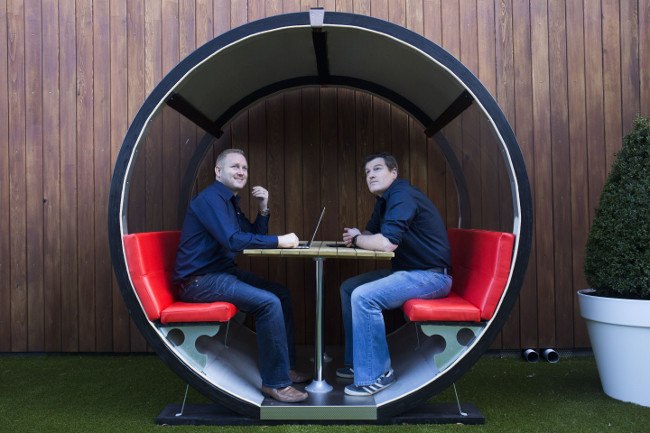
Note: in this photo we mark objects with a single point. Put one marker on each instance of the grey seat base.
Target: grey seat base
(214, 414)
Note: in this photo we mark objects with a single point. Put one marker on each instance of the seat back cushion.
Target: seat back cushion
(481, 265)
(151, 257)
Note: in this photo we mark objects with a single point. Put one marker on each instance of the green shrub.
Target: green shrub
(617, 257)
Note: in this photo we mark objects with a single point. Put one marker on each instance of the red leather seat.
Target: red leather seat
(150, 258)
(481, 265)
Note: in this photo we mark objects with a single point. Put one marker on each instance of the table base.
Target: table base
(319, 386)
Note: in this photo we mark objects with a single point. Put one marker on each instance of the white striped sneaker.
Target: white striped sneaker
(382, 382)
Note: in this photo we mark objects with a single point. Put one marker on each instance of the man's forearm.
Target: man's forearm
(376, 242)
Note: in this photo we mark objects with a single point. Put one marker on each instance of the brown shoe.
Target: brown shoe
(288, 394)
(298, 377)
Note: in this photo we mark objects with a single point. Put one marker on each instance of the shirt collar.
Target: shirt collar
(224, 192)
(391, 189)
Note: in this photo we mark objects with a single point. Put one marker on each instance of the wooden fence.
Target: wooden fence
(569, 75)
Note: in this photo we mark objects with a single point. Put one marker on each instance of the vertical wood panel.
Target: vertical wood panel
(417, 140)
(365, 140)
(579, 163)
(257, 151)
(561, 176)
(348, 171)
(135, 96)
(153, 155)
(293, 205)
(102, 173)
(491, 197)
(34, 184)
(5, 151)
(85, 191)
(611, 79)
(221, 10)
(238, 13)
(506, 98)
(51, 179)
(257, 173)
(239, 135)
(524, 129)
(594, 96)
(644, 55)
(380, 121)
(543, 174)
(330, 187)
(311, 191)
(119, 124)
(172, 141)
(17, 170)
(436, 167)
(68, 108)
(275, 178)
(188, 132)
(630, 40)
(450, 41)
(469, 121)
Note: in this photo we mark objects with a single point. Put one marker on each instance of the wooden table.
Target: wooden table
(319, 251)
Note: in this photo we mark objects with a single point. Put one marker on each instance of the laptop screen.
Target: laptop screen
(313, 236)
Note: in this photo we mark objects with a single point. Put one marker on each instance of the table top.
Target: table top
(320, 249)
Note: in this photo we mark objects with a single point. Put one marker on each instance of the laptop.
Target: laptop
(306, 245)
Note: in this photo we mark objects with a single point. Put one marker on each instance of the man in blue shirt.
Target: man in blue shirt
(405, 221)
(214, 231)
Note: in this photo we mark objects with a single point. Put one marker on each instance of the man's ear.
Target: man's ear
(217, 172)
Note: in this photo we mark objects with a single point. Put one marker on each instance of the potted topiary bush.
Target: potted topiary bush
(617, 267)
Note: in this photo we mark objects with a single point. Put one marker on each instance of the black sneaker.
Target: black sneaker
(382, 382)
(345, 372)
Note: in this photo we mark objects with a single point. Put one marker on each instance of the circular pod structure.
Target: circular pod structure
(247, 64)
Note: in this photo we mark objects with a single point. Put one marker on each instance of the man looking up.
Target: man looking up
(214, 231)
(405, 221)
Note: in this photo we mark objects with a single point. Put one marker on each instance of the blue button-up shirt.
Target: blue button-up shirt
(214, 231)
(408, 219)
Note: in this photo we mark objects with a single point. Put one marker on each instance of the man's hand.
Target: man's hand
(262, 195)
(348, 234)
(290, 240)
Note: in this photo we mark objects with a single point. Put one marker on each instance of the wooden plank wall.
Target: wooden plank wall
(570, 75)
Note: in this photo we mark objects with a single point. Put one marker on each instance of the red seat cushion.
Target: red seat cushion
(150, 258)
(196, 312)
(453, 308)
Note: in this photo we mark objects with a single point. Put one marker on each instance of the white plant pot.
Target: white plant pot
(619, 330)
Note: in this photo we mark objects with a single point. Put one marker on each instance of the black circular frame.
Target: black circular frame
(170, 92)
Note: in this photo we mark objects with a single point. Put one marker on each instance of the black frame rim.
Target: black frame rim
(516, 164)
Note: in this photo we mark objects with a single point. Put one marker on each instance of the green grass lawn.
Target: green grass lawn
(93, 393)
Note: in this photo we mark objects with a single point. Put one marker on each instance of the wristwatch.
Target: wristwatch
(354, 240)
(265, 212)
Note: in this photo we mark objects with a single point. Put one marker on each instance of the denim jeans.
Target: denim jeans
(363, 298)
(269, 303)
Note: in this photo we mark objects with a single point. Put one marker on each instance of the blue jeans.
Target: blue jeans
(363, 298)
(269, 303)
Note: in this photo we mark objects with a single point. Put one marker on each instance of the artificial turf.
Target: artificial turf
(125, 393)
